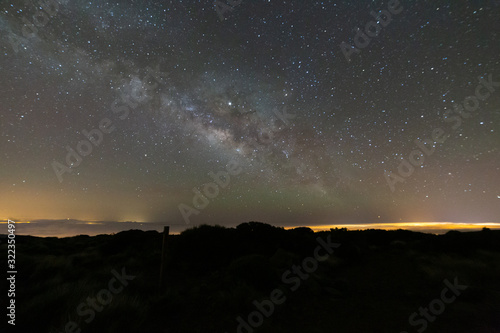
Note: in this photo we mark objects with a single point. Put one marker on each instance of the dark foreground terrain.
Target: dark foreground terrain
(258, 278)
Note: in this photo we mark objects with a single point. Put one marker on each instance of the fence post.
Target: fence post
(163, 253)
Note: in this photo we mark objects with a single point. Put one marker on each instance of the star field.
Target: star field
(177, 93)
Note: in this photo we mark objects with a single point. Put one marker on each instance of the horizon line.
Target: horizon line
(73, 227)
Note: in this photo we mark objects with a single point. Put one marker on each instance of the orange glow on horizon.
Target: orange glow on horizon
(440, 227)
(5, 221)
(68, 228)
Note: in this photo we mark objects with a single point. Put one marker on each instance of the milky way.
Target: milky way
(319, 130)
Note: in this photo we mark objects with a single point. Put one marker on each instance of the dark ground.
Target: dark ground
(373, 282)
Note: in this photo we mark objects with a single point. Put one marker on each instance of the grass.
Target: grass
(372, 283)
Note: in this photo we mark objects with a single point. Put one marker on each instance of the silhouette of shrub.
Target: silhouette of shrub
(255, 270)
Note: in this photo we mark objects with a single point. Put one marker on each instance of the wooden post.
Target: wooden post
(163, 253)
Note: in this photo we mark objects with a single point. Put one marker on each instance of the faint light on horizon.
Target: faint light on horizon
(413, 226)
(5, 221)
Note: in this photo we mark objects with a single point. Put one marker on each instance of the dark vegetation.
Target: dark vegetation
(372, 283)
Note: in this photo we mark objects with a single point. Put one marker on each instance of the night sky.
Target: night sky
(124, 110)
